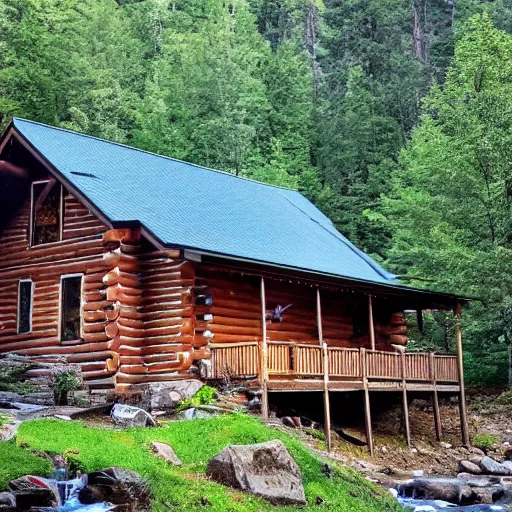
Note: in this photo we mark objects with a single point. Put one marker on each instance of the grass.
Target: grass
(195, 442)
(16, 462)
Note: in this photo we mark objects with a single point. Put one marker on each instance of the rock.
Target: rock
(9, 430)
(446, 489)
(488, 495)
(414, 450)
(266, 470)
(291, 421)
(254, 403)
(476, 459)
(120, 486)
(492, 467)
(469, 467)
(167, 395)
(129, 416)
(164, 451)
(33, 491)
(508, 465)
(446, 446)
(7, 500)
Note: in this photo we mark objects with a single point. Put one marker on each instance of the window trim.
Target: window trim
(31, 309)
(31, 218)
(61, 288)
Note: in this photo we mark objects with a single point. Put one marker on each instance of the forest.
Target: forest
(392, 116)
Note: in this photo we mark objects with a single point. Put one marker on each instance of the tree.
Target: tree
(451, 207)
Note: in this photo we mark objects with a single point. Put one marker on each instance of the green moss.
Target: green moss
(195, 442)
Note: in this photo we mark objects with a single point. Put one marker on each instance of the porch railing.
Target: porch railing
(306, 361)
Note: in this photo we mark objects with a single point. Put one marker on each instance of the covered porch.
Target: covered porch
(291, 366)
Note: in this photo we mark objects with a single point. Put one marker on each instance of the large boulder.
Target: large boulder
(446, 489)
(129, 416)
(266, 470)
(466, 466)
(492, 467)
(33, 491)
(168, 395)
(119, 486)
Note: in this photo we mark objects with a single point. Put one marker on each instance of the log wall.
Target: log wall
(236, 312)
(80, 251)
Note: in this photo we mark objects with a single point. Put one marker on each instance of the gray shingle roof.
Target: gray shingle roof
(188, 206)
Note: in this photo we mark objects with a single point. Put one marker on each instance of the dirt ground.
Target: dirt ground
(490, 420)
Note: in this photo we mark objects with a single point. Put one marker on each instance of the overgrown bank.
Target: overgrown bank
(195, 442)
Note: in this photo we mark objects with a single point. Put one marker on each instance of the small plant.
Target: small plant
(12, 379)
(62, 381)
(204, 396)
(485, 440)
(4, 419)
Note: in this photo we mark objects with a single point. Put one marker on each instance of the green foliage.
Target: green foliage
(12, 379)
(65, 381)
(483, 440)
(204, 396)
(450, 207)
(195, 442)
(325, 97)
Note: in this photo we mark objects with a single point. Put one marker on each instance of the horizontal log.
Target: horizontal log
(124, 262)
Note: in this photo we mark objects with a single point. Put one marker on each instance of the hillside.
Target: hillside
(195, 442)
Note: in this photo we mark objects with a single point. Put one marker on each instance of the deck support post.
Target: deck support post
(367, 409)
(405, 404)
(371, 326)
(435, 399)
(325, 358)
(264, 354)
(460, 368)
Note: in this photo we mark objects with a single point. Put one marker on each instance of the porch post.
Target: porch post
(367, 410)
(263, 353)
(371, 327)
(405, 403)
(460, 368)
(435, 399)
(325, 358)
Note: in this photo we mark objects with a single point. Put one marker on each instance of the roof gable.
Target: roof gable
(188, 206)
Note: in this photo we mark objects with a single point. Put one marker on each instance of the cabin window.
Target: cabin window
(46, 212)
(70, 301)
(25, 303)
(360, 322)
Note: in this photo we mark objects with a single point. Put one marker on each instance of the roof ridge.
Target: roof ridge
(226, 173)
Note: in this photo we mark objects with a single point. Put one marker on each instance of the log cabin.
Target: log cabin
(144, 269)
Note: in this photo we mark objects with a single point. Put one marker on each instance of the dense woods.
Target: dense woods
(392, 116)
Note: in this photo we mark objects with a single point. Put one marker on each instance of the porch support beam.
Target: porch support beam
(371, 326)
(460, 368)
(263, 353)
(325, 357)
(367, 410)
(435, 399)
(405, 403)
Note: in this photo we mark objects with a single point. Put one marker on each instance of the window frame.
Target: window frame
(61, 305)
(31, 308)
(32, 212)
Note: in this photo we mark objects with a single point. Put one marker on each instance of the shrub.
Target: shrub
(62, 381)
(485, 440)
(204, 396)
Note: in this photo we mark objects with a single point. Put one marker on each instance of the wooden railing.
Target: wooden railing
(306, 361)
